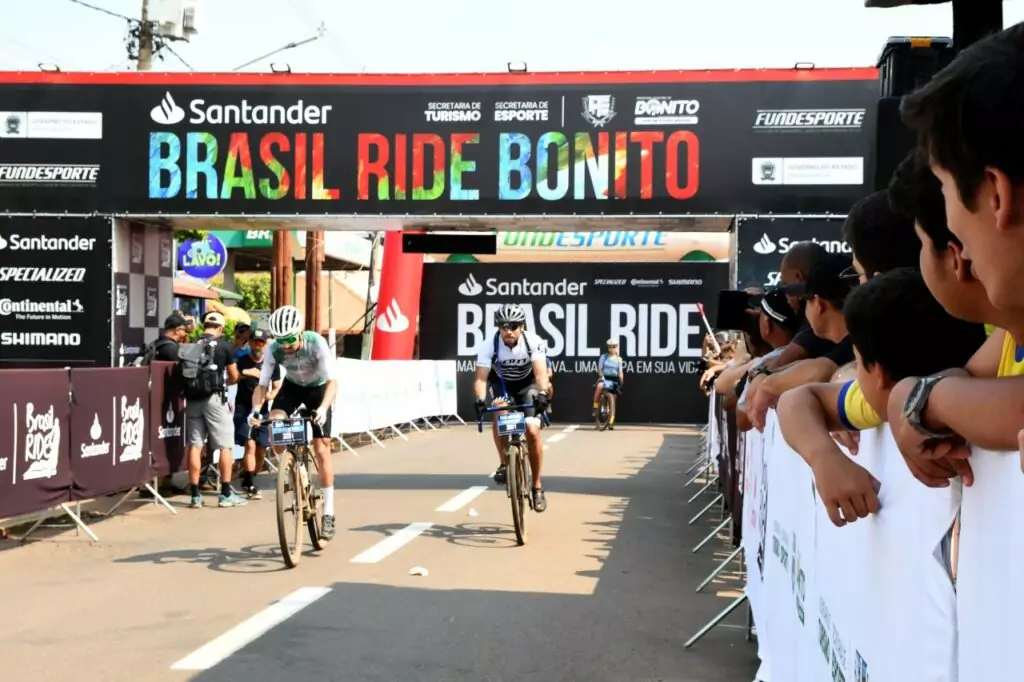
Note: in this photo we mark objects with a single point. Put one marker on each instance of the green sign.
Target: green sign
(245, 239)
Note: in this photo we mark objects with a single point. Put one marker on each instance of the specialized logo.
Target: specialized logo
(392, 320)
(764, 245)
(299, 113)
(665, 111)
(609, 282)
(167, 112)
(470, 287)
(599, 110)
(44, 243)
(40, 339)
(34, 274)
(97, 447)
(42, 443)
(814, 120)
(49, 174)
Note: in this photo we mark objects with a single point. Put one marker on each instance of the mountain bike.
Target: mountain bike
(519, 477)
(605, 414)
(297, 473)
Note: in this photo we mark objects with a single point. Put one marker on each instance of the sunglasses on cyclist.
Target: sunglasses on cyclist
(290, 340)
(509, 326)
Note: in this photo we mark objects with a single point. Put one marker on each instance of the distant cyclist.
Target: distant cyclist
(609, 375)
(309, 381)
(519, 357)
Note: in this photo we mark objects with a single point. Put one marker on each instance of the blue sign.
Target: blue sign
(203, 259)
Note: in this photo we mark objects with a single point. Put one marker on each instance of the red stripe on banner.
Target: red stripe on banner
(440, 79)
(398, 301)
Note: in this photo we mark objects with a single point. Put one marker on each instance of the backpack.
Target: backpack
(148, 353)
(197, 369)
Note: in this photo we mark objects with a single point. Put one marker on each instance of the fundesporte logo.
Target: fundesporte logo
(764, 245)
(167, 112)
(392, 320)
(470, 287)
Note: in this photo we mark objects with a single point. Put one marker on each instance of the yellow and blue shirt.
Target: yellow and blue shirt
(1011, 364)
(853, 409)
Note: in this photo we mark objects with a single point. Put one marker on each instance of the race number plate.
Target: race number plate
(511, 424)
(288, 432)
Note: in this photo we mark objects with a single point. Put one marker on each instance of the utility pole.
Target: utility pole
(145, 60)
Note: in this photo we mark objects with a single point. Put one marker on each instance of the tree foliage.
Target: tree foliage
(254, 288)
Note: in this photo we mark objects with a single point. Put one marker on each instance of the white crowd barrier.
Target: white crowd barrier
(875, 600)
(387, 394)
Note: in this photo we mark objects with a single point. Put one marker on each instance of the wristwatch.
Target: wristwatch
(917, 401)
(760, 369)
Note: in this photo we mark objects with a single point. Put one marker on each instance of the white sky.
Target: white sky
(475, 35)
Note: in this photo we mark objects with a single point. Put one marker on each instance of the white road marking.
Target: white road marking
(571, 428)
(462, 499)
(234, 639)
(555, 438)
(392, 544)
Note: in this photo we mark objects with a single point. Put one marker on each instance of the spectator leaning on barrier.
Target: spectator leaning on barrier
(777, 325)
(823, 291)
(968, 121)
(880, 238)
(889, 307)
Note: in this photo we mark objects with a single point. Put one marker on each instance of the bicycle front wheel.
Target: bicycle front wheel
(290, 503)
(514, 476)
(314, 505)
(604, 411)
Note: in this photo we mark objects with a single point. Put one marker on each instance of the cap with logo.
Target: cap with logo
(259, 335)
(214, 319)
(827, 279)
(776, 306)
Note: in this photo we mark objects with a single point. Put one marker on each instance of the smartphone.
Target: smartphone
(732, 310)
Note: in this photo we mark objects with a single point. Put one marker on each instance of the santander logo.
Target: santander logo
(470, 287)
(167, 112)
(764, 245)
(392, 320)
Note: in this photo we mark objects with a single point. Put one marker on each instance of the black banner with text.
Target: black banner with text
(761, 243)
(651, 308)
(587, 144)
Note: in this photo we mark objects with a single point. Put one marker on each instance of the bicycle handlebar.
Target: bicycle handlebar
(507, 408)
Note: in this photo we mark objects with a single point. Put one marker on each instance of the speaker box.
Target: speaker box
(449, 242)
(893, 140)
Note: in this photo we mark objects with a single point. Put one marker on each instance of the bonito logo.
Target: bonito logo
(470, 287)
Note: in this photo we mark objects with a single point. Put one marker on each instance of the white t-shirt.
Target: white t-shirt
(514, 364)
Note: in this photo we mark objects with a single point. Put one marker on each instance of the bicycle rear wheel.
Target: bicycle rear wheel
(514, 476)
(314, 505)
(290, 500)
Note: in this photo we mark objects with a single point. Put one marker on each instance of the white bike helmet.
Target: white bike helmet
(612, 342)
(510, 313)
(285, 321)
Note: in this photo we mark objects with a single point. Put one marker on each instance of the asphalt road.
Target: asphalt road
(604, 590)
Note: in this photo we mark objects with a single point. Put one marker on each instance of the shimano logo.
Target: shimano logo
(685, 282)
(243, 113)
(784, 120)
(40, 339)
(48, 174)
(609, 282)
(16, 242)
(32, 274)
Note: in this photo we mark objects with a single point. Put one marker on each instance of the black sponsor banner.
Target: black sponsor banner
(762, 242)
(167, 421)
(109, 435)
(650, 307)
(35, 471)
(55, 277)
(761, 142)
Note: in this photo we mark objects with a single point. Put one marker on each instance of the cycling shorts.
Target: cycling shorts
(610, 385)
(521, 392)
(292, 396)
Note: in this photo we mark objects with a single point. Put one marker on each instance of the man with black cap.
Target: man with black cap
(243, 333)
(823, 293)
(254, 440)
(165, 348)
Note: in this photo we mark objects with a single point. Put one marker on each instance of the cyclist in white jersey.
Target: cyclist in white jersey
(309, 380)
(517, 358)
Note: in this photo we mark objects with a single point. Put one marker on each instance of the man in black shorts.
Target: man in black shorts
(255, 440)
(513, 363)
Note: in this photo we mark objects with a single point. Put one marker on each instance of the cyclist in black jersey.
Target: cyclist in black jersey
(515, 358)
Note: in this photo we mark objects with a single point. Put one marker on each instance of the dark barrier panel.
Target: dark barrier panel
(109, 439)
(785, 141)
(650, 307)
(762, 242)
(35, 471)
(167, 422)
(55, 279)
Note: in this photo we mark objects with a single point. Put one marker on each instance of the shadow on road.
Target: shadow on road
(252, 559)
(632, 627)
